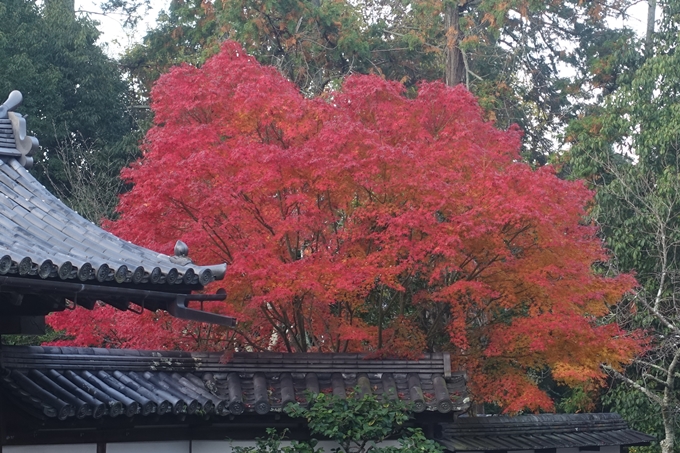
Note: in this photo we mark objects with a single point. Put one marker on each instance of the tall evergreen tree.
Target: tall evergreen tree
(75, 98)
(512, 55)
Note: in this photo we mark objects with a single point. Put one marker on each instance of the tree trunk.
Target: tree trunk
(667, 407)
(668, 443)
(667, 414)
(300, 324)
(651, 18)
(455, 66)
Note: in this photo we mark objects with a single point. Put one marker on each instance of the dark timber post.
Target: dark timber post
(3, 418)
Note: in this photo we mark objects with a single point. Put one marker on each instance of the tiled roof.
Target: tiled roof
(66, 383)
(43, 237)
(529, 432)
(50, 252)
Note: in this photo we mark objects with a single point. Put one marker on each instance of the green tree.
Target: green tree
(512, 55)
(629, 148)
(188, 32)
(75, 99)
(638, 410)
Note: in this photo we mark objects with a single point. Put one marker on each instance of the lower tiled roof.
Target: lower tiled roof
(529, 432)
(80, 383)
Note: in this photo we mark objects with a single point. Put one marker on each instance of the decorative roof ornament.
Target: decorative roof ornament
(181, 249)
(181, 254)
(14, 142)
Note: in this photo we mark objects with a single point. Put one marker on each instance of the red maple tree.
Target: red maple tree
(367, 220)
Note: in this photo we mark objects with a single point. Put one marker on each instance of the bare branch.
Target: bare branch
(651, 395)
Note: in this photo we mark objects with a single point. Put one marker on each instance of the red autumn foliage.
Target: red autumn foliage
(367, 220)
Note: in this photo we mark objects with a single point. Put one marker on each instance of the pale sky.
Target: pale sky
(114, 36)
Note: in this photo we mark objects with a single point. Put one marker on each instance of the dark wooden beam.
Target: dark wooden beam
(22, 325)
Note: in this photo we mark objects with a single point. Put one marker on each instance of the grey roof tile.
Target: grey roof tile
(39, 228)
(52, 219)
(530, 432)
(250, 382)
(4, 179)
(22, 192)
(40, 205)
(9, 151)
(10, 172)
(39, 214)
(47, 228)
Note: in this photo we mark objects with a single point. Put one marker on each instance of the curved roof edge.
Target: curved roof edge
(48, 239)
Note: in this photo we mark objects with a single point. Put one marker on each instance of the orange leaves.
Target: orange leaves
(368, 220)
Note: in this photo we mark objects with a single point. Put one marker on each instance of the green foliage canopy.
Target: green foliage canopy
(515, 52)
(75, 101)
(629, 149)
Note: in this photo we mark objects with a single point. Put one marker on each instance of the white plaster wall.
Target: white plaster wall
(181, 446)
(76, 448)
(519, 451)
(200, 446)
(226, 446)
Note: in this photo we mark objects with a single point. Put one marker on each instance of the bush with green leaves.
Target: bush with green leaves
(358, 424)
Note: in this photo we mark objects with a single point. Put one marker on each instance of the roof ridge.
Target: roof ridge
(54, 357)
(537, 423)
